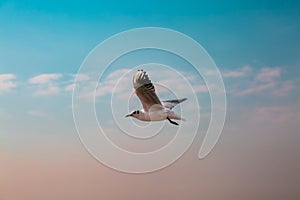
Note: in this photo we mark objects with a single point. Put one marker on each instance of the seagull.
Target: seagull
(153, 108)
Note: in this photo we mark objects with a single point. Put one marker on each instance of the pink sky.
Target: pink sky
(244, 165)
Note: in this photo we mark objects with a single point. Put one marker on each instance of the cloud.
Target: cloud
(116, 82)
(119, 83)
(268, 74)
(45, 84)
(7, 82)
(264, 81)
(180, 85)
(257, 88)
(44, 78)
(118, 73)
(70, 87)
(47, 90)
(81, 77)
(284, 88)
(244, 71)
(179, 81)
(76, 81)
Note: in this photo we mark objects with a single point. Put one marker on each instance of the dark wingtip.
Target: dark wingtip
(180, 100)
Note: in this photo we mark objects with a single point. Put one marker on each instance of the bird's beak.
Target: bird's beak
(129, 115)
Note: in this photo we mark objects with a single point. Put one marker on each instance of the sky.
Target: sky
(254, 44)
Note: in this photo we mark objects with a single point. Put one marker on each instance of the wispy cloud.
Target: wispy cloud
(47, 90)
(257, 88)
(120, 83)
(244, 71)
(284, 88)
(7, 82)
(81, 77)
(266, 80)
(244, 81)
(268, 74)
(70, 87)
(77, 80)
(44, 78)
(45, 84)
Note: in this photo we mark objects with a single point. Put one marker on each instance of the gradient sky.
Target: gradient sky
(255, 44)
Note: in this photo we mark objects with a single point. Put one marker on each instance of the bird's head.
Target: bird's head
(134, 114)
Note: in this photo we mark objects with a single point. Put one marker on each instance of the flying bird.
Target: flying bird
(153, 108)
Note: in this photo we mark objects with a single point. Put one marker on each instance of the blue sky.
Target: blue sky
(253, 26)
(255, 44)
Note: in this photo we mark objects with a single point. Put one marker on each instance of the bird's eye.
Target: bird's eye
(137, 112)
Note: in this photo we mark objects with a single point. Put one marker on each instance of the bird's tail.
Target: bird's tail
(175, 116)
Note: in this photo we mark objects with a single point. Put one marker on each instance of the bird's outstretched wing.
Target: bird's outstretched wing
(172, 103)
(145, 90)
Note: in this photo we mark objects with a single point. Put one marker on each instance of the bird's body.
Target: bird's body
(157, 115)
(153, 108)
